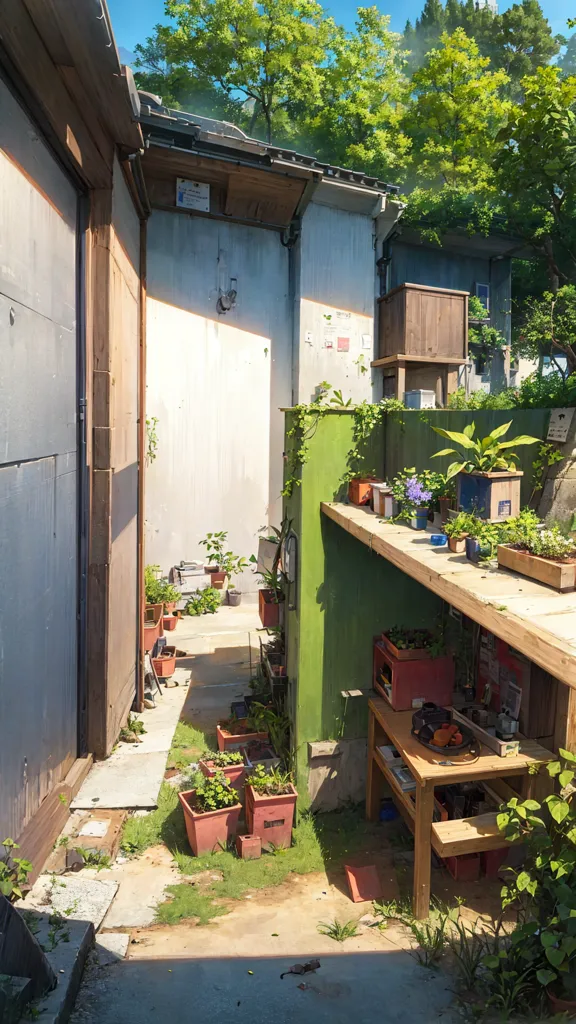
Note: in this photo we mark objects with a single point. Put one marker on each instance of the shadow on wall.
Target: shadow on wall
(192, 261)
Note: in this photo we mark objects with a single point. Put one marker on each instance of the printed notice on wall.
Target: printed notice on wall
(193, 195)
(560, 420)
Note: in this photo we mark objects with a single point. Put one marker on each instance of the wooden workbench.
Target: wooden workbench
(447, 838)
(534, 619)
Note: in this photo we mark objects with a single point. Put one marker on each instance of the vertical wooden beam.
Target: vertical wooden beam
(141, 466)
(565, 721)
(400, 380)
(423, 849)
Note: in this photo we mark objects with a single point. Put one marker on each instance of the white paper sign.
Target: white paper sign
(193, 195)
(559, 425)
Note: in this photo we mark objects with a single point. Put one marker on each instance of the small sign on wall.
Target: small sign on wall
(560, 420)
(193, 195)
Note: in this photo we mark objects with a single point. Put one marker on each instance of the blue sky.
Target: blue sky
(133, 20)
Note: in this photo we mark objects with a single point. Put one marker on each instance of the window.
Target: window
(483, 293)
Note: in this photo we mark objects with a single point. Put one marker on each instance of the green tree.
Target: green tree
(455, 115)
(271, 53)
(525, 41)
(568, 60)
(357, 121)
(548, 326)
(177, 85)
(536, 171)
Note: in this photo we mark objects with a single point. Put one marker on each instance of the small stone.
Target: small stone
(74, 860)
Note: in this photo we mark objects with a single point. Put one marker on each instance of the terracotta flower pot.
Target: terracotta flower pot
(234, 597)
(208, 831)
(271, 817)
(235, 740)
(457, 545)
(233, 772)
(170, 623)
(561, 1005)
(165, 663)
(153, 625)
(268, 608)
(169, 606)
(360, 490)
(217, 580)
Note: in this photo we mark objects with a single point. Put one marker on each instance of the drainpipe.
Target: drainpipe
(141, 469)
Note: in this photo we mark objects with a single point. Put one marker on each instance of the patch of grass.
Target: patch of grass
(164, 825)
(337, 931)
(187, 901)
(188, 743)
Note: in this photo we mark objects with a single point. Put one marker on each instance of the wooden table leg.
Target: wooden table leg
(423, 850)
(372, 782)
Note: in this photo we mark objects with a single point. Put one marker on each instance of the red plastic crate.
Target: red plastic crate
(491, 861)
(409, 683)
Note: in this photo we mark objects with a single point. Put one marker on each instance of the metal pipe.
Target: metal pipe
(141, 469)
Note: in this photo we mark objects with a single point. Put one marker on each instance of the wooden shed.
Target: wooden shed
(422, 330)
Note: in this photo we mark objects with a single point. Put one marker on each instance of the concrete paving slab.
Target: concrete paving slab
(131, 777)
(142, 883)
(111, 947)
(359, 987)
(74, 897)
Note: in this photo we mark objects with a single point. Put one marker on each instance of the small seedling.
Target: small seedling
(468, 948)
(134, 727)
(63, 799)
(93, 858)
(338, 932)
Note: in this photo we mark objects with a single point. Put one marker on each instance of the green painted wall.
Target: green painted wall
(345, 594)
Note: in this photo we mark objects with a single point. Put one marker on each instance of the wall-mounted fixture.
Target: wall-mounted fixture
(227, 300)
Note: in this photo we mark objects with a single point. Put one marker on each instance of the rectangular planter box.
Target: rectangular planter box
(165, 664)
(235, 741)
(234, 772)
(271, 817)
(494, 496)
(360, 490)
(260, 753)
(418, 654)
(268, 608)
(170, 622)
(210, 831)
(407, 684)
(560, 575)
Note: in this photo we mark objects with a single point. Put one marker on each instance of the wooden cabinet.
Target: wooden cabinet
(416, 320)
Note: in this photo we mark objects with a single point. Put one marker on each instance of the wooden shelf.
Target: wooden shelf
(467, 835)
(527, 615)
(394, 784)
(430, 360)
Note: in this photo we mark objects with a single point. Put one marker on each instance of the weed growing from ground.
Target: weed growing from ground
(188, 744)
(337, 931)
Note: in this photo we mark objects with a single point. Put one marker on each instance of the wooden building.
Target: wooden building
(71, 279)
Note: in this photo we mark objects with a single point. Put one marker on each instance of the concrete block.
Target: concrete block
(337, 773)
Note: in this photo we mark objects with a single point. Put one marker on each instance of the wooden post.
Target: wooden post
(400, 381)
(423, 849)
(372, 786)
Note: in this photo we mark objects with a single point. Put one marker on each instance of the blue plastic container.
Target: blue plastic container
(439, 540)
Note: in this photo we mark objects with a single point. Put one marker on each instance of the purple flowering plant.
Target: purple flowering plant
(416, 493)
(416, 490)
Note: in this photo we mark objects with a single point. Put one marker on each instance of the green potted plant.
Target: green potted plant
(457, 529)
(415, 493)
(14, 873)
(543, 889)
(159, 590)
(487, 478)
(231, 763)
(270, 803)
(234, 733)
(546, 555)
(211, 812)
(203, 602)
(221, 563)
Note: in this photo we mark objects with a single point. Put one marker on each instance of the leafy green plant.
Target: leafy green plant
(431, 938)
(548, 455)
(543, 888)
(551, 544)
(151, 438)
(476, 309)
(463, 524)
(468, 949)
(93, 858)
(215, 793)
(158, 591)
(14, 872)
(204, 602)
(134, 727)
(304, 424)
(506, 399)
(410, 639)
(337, 931)
(273, 782)
(225, 561)
(223, 758)
(276, 723)
(481, 455)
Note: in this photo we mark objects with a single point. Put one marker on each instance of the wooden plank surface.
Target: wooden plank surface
(425, 765)
(467, 835)
(545, 632)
